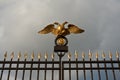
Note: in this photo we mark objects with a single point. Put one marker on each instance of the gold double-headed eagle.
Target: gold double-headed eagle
(60, 30)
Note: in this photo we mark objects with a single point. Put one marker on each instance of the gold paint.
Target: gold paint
(83, 55)
(25, 55)
(97, 55)
(5, 55)
(90, 54)
(61, 30)
(46, 55)
(19, 55)
(110, 55)
(52, 56)
(12, 55)
(69, 55)
(76, 54)
(32, 55)
(61, 41)
(39, 55)
(103, 55)
(117, 54)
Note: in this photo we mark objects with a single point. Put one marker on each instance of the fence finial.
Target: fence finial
(76, 54)
(103, 55)
(32, 55)
(12, 55)
(39, 55)
(90, 54)
(46, 55)
(97, 55)
(110, 55)
(83, 55)
(69, 55)
(117, 54)
(52, 55)
(19, 55)
(25, 55)
(5, 55)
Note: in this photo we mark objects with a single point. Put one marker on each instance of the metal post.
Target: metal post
(60, 70)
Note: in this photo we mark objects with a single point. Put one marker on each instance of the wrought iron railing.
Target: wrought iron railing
(52, 69)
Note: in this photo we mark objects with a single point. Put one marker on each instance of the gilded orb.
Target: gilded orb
(61, 41)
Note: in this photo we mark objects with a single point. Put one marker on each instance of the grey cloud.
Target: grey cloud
(21, 20)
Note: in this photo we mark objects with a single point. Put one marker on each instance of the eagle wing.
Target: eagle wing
(74, 29)
(49, 28)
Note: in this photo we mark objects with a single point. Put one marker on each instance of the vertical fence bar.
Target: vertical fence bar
(69, 57)
(31, 70)
(110, 56)
(39, 56)
(90, 56)
(5, 56)
(25, 56)
(38, 70)
(52, 56)
(16, 69)
(117, 56)
(76, 57)
(103, 55)
(19, 55)
(12, 55)
(24, 70)
(2, 69)
(9, 70)
(46, 56)
(62, 71)
(83, 57)
(32, 56)
(98, 66)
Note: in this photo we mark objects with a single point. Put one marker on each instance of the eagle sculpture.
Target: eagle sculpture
(60, 30)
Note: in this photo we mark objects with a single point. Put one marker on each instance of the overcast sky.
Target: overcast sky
(20, 20)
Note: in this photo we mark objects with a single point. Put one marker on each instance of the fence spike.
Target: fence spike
(46, 55)
(32, 55)
(26, 55)
(76, 54)
(97, 55)
(103, 55)
(83, 55)
(90, 54)
(12, 55)
(5, 55)
(19, 55)
(110, 55)
(52, 55)
(117, 54)
(69, 55)
(39, 55)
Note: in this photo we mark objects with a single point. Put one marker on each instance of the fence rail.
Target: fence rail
(84, 69)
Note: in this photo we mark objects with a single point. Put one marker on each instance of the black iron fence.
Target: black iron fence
(68, 69)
